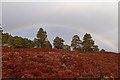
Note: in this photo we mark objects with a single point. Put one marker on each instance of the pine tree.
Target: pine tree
(5, 37)
(36, 42)
(47, 44)
(102, 50)
(18, 43)
(88, 43)
(58, 43)
(95, 48)
(76, 43)
(41, 35)
(66, 47)
(11, 40)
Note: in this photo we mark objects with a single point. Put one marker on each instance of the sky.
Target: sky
(64, 19)
(60, 0)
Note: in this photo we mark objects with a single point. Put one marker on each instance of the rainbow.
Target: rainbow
(97, 36)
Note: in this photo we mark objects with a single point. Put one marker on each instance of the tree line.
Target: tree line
(87, 44)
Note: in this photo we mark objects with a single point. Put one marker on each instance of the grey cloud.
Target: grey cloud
(100, 18)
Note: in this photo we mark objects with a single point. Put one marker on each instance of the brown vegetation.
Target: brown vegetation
(56, 63)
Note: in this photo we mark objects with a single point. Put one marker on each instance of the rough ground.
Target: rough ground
(54, 63)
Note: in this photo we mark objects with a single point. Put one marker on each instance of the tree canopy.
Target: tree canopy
(76, 43)
(58, 43)
(102, 50)
(66, 47)
(16, 42)
(41, 35)
(86, 44)
(47, 44)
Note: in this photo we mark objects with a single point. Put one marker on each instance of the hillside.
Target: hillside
(55, 63)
